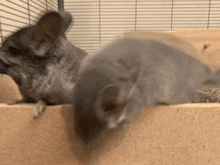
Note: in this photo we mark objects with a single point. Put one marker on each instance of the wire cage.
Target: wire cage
(97, 22)
(17, 14)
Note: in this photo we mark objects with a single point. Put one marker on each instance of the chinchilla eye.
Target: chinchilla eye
(14, 51)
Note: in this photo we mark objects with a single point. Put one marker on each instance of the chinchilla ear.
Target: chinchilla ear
(109, 97)
(50, 25)
(67, 18)
(111, 108)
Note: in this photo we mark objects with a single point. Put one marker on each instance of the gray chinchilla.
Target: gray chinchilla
(129, 75)
(42, 62)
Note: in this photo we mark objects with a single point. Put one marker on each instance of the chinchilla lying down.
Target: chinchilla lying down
(42, 62)
(129, 75)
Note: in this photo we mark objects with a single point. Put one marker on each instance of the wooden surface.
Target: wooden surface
(180, 135)
(198, 38)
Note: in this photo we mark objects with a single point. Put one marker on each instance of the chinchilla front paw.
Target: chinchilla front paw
(40, 106)
(13, 102)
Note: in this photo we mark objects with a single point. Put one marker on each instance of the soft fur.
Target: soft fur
(131, 74)
(42, 62)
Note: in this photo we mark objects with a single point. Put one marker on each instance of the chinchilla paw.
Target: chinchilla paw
(13, 102)
(40, 106)
(35, 113)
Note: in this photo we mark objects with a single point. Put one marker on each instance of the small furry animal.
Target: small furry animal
(42, 62)
(129, 75)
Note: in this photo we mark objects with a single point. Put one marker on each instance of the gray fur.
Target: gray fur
(42, 62)
(142, 73)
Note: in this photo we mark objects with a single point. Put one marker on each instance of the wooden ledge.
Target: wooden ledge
(179, 134)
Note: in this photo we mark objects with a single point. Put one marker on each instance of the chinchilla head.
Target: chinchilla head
(27, 51)
(99, 105)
